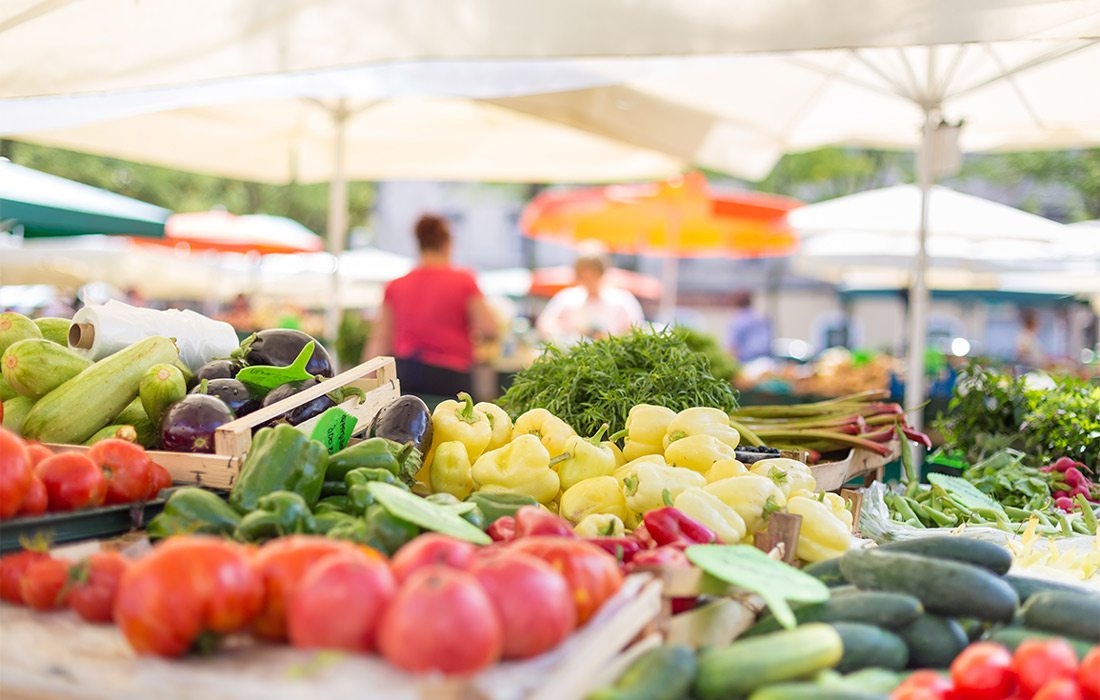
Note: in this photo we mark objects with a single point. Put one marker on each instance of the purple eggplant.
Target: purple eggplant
(240, 399)
(405, 419)
(189, 424)
(303, 412)
(279, 347)
(216, 369)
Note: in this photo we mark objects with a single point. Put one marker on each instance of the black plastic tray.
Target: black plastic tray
(77, 525)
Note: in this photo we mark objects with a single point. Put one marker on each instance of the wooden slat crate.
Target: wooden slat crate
(377, 378)
(831, 476)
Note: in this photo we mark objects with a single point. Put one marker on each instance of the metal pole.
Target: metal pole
(918, 292)
(337, 228)
(670, 270)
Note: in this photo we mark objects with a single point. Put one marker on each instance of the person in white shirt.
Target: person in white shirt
(591, 309)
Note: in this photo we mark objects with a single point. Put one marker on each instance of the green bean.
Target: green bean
(1080, 526)
(940, 518)
(914, 522)
(1086, 513)
(903, 508)
(1063, 522)
(1045, 519)
(1017, 513)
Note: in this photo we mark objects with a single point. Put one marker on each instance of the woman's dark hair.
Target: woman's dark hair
(432, 232)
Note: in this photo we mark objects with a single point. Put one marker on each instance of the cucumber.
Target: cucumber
(866, 646)
(161, 386)
(933, 641)
(15, 327)
(122, 432)
(662, 673)
(974, 629)
(1071, 614)
(55, 330)
(1027, 586)
(876, 680)
(74, 411)
(878, 608)
(828, 572)
(15, 413)
(134, 414)
(814, 691)
(968, 550)
(34, 367)
(1012, 636)
(746, 665)
(944, 587)
(6, 392)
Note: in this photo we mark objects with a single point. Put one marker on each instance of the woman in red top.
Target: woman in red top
(430, 318)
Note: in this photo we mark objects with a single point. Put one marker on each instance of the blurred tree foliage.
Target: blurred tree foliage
(184, 191)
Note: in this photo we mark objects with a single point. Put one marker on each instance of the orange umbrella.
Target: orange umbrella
(548, 281)
(682, 217)
(225, 232)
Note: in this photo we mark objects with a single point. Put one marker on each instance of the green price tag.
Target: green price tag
(268, 377)
(334, 429)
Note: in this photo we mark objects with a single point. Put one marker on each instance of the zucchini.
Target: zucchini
(878, 608)
(1013, 635)
(814, 691)
(161, 386)
(55, 330)
(15, 327)
(120, 432)
(968, 550)
(944, 587)
(34, 367)
(746, 665)
(828, 572)
(15, 413)
(866, 646)
(1061, 612)
(933, 641)
(877, 680)
(134, 414)
(74, 411)
(662, 673)
(1027, 586)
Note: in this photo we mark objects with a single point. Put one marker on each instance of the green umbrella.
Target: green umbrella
(45, 205)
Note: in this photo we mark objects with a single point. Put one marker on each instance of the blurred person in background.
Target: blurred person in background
(750, 333)
(1029, 348)
(431, 317)
(591, 309)
(239, 314)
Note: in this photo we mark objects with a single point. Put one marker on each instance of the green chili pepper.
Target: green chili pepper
(497, 505)
(469, 511)
(191, 510)
(277, 514)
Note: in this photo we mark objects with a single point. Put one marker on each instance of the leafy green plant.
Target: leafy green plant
(722, 364)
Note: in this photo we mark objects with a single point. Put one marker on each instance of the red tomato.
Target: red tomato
(983, 671)
(281, 564)
(532, 601)
(592, 574)
(1059, 689)
(16, 473)
(44, 584)
(162, 479)
(35, 500)
(12, 568)
(94, 584)
(1088, 674)
(183, 588)
(72, 481)
(1038, 661)
(38, 452)
(441, 620)
(126, 467)
(923, 685)
(339, 602)
(429, 549)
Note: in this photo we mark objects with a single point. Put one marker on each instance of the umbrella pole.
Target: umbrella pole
(918, 292)
(337, 214)
(670, 269)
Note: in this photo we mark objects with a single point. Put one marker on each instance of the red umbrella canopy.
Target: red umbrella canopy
(548, 281)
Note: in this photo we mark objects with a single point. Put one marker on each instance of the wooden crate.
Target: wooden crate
(377, 378)
(56, 655)
(831, 476)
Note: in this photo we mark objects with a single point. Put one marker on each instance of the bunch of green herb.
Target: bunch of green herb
(599, 381)
(1004, 477)
(722, 364)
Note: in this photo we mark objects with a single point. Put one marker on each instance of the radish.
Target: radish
(1074, 477)
(1063, 463)
(1063, 503)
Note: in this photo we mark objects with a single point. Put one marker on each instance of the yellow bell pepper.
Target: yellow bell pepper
(702, 421)
(711, 511)
(499, 422)
(751, 495)
(600, 494)
(551, 430)
(620, 458)
(724, 469)
(648, 485)
(600, 525)
(645, 429)
(698, 452)
(459, 420)
(838, 507)
(521, 467)
(822, 535)
(584, 458)
(450, 470)
(789, 475)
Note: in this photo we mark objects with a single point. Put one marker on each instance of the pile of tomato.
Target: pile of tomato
(440, 605)
(34, 480)
(1038, 670)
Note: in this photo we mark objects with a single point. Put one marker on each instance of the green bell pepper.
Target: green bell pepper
(386, 532)
(332, 504)
(330, 520)
(359, 496)
(277, 514)
(280, 459)
(192, 510)
(402, 461)
(497, 505)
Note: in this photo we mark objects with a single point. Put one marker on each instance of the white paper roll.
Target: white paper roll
(117, 325)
